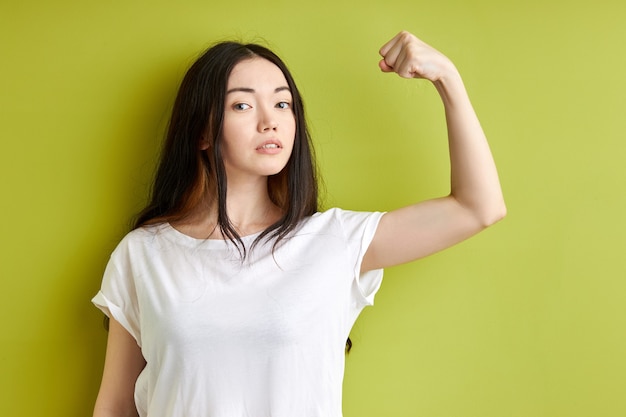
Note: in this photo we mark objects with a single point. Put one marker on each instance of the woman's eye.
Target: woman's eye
(283, 105)
(241, 106)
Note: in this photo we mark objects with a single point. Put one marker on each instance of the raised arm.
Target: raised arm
(475, 200)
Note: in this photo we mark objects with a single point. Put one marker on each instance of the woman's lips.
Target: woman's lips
(270, 147)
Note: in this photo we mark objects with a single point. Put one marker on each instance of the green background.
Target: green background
(527, 319)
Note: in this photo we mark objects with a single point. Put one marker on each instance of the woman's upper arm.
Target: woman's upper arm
(416, 231)
(123, 364)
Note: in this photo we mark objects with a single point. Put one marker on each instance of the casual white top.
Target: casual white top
(224, 338)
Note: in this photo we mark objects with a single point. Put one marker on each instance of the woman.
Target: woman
(234, 296)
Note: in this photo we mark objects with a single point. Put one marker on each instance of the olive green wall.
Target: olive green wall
(524, 320)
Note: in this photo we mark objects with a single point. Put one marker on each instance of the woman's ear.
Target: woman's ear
(204, 143)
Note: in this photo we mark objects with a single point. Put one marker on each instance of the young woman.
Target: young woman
(234, 296)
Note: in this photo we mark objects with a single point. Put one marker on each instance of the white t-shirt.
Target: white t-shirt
(226, 338)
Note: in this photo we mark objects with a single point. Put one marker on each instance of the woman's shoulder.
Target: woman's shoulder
(328, 217)
(143, 236)
(342, 220)
(337, 213)
(147, 232)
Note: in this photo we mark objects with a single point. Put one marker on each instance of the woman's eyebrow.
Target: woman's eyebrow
(252, 90)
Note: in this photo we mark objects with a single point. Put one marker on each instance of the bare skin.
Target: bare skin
(475, 200)
(124, 362)
(403, 235)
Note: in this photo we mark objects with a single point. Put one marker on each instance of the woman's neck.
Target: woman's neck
(249, 209)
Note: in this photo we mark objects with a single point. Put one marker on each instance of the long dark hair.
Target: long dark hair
(186, 175)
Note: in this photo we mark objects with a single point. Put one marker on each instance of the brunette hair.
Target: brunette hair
(186, 175)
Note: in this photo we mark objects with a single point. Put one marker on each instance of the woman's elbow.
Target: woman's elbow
(493, 215)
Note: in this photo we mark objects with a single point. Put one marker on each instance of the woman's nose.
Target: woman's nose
(267, 121)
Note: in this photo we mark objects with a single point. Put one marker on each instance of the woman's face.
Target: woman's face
(259, 125)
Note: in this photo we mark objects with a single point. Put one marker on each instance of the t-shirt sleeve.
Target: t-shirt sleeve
(359, 229)
(117, 297)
